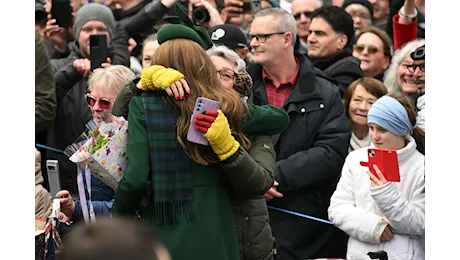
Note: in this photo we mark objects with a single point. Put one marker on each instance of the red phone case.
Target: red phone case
(202, 104)
(386, 160)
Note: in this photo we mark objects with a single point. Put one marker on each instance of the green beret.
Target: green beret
(183, 28)
(174, 31)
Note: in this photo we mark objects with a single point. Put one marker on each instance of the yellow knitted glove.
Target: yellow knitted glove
(158, 77)
(220, 137)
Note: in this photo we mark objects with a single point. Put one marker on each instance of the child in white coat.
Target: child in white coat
(377, 214)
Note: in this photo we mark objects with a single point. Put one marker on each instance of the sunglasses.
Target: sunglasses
(104, 103)
(370, 49)
(307, 14)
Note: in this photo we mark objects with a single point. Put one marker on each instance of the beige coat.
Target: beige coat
(42, 196)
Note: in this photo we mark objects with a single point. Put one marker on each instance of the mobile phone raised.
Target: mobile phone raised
(386, 161)
(251, 6)
(52, 169)
(62, 12)
(202, 104)
(98, 50)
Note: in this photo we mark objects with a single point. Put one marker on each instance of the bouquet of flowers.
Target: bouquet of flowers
(105, 152)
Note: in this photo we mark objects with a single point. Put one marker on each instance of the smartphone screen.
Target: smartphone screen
(62, 12)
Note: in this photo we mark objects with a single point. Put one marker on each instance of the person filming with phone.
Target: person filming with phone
(376, 213)
(71, 78)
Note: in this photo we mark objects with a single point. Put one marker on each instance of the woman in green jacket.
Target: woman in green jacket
(190, 208)
(252, 181)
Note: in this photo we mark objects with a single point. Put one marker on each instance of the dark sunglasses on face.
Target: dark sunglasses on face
(370, 49)
(307, 14)
(104, 103)
(413, 67)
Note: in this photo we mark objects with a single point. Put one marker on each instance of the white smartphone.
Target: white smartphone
(52, 168)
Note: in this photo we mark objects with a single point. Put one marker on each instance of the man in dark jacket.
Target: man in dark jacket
(330, 45)
(70, 75)
(58, 40)
(311, 151)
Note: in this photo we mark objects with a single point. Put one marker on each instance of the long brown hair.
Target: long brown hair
(191, 60)
(418, 134)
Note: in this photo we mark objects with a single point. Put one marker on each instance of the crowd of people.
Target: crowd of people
(305, 88)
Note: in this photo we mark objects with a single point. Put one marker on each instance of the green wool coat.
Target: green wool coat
(212, 235)
(246, 177)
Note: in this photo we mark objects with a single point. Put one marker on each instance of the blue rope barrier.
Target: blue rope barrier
(327, 221)
(49, 148)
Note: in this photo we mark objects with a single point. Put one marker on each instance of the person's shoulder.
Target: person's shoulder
(357, 155)
(326, 85)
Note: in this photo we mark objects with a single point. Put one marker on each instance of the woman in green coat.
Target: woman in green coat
(252, 175)
(190, 210)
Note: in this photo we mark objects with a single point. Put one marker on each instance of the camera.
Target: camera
(371, 153)
(251, 6)
(40, 13)
(200, 15)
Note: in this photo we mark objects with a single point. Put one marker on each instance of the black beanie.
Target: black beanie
(364, 3)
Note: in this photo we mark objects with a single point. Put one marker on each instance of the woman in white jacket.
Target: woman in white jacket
(377, 214)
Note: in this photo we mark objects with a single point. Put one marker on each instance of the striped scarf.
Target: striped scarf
(169, 165)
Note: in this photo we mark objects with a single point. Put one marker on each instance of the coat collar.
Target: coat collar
(304, 88)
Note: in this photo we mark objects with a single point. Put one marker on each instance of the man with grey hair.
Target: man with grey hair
(311, 151)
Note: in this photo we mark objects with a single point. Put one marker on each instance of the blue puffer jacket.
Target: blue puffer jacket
(102, 197)
(101, 208)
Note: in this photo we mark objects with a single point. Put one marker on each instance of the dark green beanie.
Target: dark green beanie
(183, 28)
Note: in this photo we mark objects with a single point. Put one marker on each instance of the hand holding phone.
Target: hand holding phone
(386, 161)
(202, 104)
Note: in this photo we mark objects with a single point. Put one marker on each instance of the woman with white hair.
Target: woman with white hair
(400, 77)
(104, 85)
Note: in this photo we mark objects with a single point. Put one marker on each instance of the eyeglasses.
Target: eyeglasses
(370, 49)
(104, 103)
(413, 67)
(307, 14)
(226, 74)
(261, 38)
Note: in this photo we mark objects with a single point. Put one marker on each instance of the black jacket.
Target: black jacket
(310, 155)
(342, 67)
(140, 20)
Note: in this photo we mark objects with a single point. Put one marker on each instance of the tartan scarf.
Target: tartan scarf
(169, 165)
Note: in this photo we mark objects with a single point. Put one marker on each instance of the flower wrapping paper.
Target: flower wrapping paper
(108, 162)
